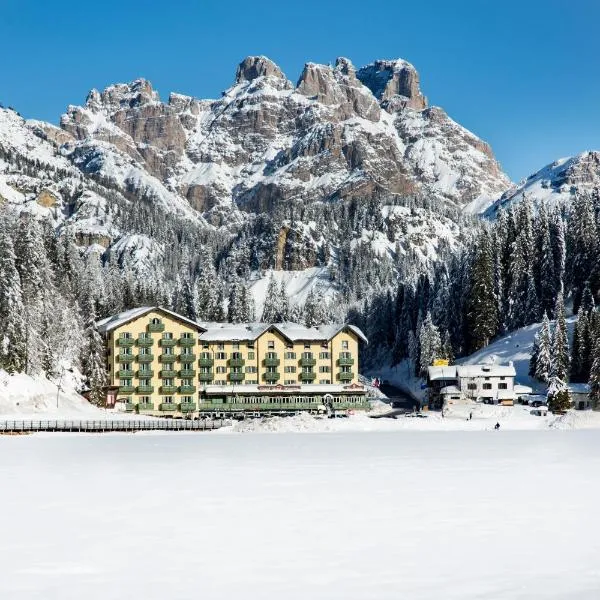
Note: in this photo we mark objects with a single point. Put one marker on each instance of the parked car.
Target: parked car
(537, 401)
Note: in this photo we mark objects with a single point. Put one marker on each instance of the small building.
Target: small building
(491, 384)
(579, 394)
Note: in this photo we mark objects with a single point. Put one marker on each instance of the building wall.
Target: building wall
(157, 396)
(311, 362)
(479, 382)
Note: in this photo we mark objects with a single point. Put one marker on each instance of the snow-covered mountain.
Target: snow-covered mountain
(276, 175)
(555, 184)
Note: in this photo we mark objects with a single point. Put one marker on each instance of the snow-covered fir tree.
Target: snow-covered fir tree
(560, 343)
(430, 345)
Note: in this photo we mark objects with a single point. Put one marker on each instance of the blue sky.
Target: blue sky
(523, 75)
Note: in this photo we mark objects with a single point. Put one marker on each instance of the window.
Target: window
(168, 351)
(289, 369)
(324, 369)
(167, 399)
(155, 321)
(345, 355)
(125, 367)
(307, 369)
(167, 382)
(206, 369)
(187, 335)
(307, 355)
(290, 356)
(187, 399)
(125, 336)
(236, 345)
(502, 378)
(324, 355)
(307, 346)
(271, 369)
(324, 381)
(125, 382)
(187, 351)
(345, 369)
(487, 386)
(205, 355)
(250, 344)
(205, 345)
(187, 382)
(271, 355)
(290, 382)
(252, 382)
(144, 350)
(487, 378)
(221, 369)
(221, 346)
(289, 345)
(145, 367)
(250, 355)
(220, 382)
(251, 370)
(144, 399)
(145, 336)
(344, 344)
(145, 382)
(220, 355)
(167, 336)
(502, 386)
(271, 344)
(471, 386)
(236, 355)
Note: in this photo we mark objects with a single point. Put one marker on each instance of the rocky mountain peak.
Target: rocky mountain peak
(253, 67)
(122, 96)
(395, 83)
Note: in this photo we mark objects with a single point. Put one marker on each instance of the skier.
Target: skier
(470, 415)
(497, 426)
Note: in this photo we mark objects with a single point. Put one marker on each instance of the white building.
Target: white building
(494, 384)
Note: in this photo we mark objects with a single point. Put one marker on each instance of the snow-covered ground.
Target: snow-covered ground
(505, 515)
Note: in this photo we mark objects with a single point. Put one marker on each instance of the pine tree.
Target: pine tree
(92, 357)
(482, 316)
(271, 308)
(594, 381)
(13, 352)
(560, 342)
(541, 359)
(580, 351)
(558, 395)
(430, 345)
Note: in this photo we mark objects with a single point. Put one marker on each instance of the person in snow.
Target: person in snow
(497, 426)
(470, 416)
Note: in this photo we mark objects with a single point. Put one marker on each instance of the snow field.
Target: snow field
(490, 516)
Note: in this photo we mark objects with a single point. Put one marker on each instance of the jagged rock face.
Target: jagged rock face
(266, 143)
(395, 83)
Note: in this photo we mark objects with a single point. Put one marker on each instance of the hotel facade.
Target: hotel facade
(162, 363)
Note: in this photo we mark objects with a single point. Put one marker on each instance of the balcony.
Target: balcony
(146, 406)
(167, 407)
(308, 376)
(167, 358)
(236, 376)
(126, 389)
(308, 362)
(165, 343)
(206, 376)
(129, 406)
(145, 358)
(187, 389)
(125, 373)
(345, 376)
(271, 362)
(187, 373)
(145, 342)
(271, 376)
(146, 374)
(168, 389)
(187, 342)
(125, 342)
(167, 373)
(187, 407)
(345, 362)
(156, 327)
(187, 358)
(205, 362)
(236, 362)
(125, 356)
(145, 389)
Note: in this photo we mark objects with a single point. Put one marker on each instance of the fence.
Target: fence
(109, 425)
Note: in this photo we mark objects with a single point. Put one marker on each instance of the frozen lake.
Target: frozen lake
(416, 515)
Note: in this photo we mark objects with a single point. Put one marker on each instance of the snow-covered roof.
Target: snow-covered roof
(579, 388)
(282, 389)
(216, 332)
(506, 395)
(522, 389)
(110, 323)
(450, 389)
(436, 373)
(486, 371)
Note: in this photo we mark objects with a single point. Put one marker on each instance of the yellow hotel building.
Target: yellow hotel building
(162, 363)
